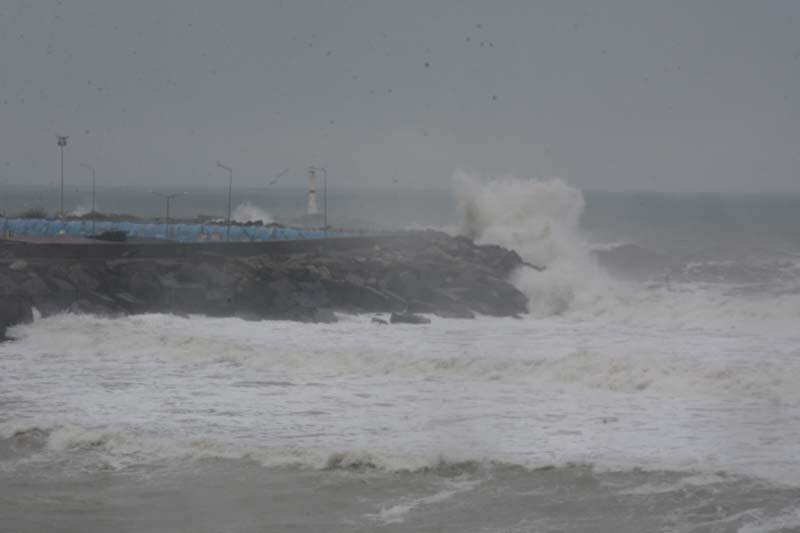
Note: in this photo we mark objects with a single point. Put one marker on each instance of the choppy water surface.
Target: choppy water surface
(646, 391)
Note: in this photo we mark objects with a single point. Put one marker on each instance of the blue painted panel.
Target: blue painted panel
(178, 232)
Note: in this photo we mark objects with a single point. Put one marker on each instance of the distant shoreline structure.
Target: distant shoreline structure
(177, 231)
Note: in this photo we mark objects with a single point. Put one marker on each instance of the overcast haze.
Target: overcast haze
(608, 95)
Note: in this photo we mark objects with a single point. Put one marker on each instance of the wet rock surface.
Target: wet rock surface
(15, 308)
(408, 318)
(423, 272)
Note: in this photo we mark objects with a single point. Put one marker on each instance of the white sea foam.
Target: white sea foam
(396, 513)
(789, 520)
(698, 480)
(120, 447)
(582, 354)
(352, 395)
(117, 447)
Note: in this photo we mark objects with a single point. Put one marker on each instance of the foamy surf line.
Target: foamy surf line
(589, 355)
(396, 512)
(529, 392)
(110, 449)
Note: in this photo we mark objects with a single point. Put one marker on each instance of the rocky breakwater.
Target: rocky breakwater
(422, 272)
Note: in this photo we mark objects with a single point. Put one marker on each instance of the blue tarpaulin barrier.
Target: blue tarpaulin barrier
(21, 227)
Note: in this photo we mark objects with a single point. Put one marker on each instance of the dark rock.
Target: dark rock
(78, 276)
(19, 265)
(7, 285)
(314, 315)
(469, 275)
(408, 318)
(14, 309)
(361, 297)
(248, 316)
(61, 285)
(301, 273)
(325, 315)
(509, 262)
(288, 295)
(222, 297)
(419, 306)
(34, 286)
(420, 272)
(449, 307)
(207, 274)
(495, 299)
(170, 280)
(47, 307)
(144, 281)
(355, 279)
(455, 312)
(111, 236)
(126, 297)
(537, 268)
(376, 320)
(85, 307)
(407, 284)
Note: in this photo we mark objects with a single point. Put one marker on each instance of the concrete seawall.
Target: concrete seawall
(178, 231)
(10, 250)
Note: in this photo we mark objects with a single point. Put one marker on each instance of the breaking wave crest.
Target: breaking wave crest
(117, 448)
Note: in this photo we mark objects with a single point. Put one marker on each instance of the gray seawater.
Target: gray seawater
(235, 496)
(663, 398)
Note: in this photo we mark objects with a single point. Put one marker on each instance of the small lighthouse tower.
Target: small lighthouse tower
(312, 193)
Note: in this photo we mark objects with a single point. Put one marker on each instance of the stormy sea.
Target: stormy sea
(653, 386)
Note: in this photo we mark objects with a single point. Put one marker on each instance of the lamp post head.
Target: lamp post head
(62, 140)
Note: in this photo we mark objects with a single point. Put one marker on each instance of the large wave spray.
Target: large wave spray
(539, 219)
(83, 209)
(249, 212)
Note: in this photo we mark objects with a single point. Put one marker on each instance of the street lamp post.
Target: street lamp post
(62, 142)
(167, 199)
(94, 185)
(324, 197)
(230, 190)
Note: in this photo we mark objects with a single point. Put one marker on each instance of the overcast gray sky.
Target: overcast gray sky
(664, 95)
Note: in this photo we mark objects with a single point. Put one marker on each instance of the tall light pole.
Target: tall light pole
(167, 198)
(94, 185)
(324, 196)
(62, 142)
(230, 190)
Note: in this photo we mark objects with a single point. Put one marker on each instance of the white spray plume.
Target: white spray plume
(82, 209)
(249, 212)
(539, 219)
